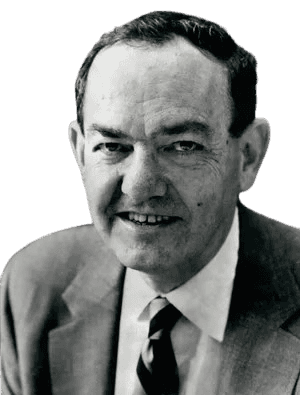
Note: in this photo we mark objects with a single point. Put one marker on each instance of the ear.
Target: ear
(253, 147)
(77, 143)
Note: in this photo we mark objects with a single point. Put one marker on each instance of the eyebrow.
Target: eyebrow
(185, 126)
(107, 131)
(176, 129)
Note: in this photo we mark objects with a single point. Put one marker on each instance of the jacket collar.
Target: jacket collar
(94, 283)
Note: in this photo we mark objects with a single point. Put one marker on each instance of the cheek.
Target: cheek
(195, 186)
(101, 186)
(207, 189)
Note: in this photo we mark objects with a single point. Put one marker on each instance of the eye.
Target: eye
(184, 147)
(111, 148)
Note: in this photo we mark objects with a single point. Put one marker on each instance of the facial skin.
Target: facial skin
(157, 147)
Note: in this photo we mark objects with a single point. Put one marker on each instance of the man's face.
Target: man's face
(160, 169)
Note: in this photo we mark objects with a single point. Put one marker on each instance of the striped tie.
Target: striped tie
(157, 368)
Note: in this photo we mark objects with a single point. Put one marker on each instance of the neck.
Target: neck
(166, 282)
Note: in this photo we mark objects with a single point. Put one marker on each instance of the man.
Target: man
(165, 139)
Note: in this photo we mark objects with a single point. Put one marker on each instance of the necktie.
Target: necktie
(157, 367)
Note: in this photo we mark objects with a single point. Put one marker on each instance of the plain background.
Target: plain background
(43, 46)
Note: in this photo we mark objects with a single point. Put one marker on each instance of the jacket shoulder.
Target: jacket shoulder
(276, 238)
(32, 305)
(53, 260)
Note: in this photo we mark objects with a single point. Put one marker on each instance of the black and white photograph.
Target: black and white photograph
(151, 221)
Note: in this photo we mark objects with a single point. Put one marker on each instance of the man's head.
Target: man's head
(162, 156)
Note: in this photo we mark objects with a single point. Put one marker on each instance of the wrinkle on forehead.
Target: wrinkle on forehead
(156, 81)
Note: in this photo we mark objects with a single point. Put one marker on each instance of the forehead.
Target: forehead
(155, 84)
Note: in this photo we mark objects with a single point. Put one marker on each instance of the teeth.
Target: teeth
(131, 216)
(141, 218)
(152, 219)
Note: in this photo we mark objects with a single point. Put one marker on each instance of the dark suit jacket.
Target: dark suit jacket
(61, 301)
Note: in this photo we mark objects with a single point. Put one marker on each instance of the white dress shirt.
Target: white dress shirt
(197, 337)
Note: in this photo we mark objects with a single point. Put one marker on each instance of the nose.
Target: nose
(143, 177)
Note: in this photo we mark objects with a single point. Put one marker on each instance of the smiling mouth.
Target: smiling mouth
(145, 219)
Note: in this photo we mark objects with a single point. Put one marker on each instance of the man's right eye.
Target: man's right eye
(111, 148)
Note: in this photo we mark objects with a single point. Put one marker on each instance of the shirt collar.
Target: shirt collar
(205, 298)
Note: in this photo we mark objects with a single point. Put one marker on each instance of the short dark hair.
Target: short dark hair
(159, 27)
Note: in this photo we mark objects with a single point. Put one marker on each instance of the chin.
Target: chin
(141, 260)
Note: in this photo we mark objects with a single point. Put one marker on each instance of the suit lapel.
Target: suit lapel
(261, 354)
(83, 350)
(259, 360)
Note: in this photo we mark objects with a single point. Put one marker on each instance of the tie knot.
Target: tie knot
(163, 317)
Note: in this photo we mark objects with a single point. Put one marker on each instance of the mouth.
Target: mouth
(147, 219)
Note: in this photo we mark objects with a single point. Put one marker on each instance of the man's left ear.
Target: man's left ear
(253, 147)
